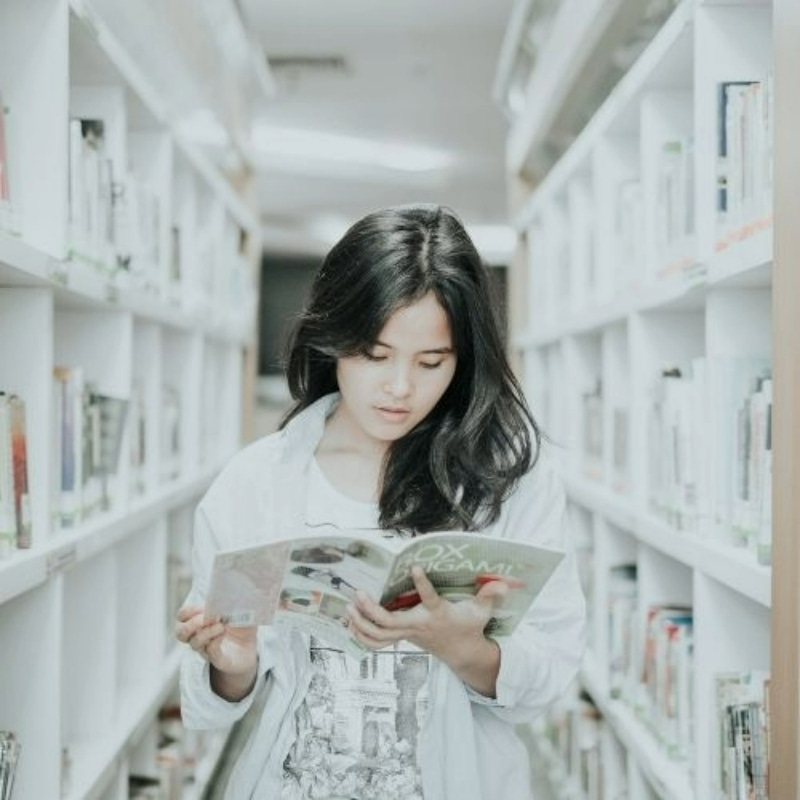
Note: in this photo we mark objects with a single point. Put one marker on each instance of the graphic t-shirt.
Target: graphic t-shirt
(360, 721)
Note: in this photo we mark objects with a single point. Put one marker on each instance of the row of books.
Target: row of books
(88, 435)
(651, 667)
(710, 450)
(744, 151)
(583, 757)
(15, 506)
(88, 429)
(743, 193)
(116, 218)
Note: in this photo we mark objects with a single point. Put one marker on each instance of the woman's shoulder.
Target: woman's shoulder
(252, 466)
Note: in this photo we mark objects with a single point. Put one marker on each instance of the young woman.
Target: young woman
(407, 419)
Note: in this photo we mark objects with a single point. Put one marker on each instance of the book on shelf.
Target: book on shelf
(710, 450)
(622, 604)
(740, 397)
(675, 205)
(88, 431)
(741, 755)
(91, 193)
(67, 450)
(744, 153)
(114, 216)
(9, 201)
(676, 428)
(111, 414)
(308, 582)
(138, 441)
(15, 506)
(665, 692)
(5, 193)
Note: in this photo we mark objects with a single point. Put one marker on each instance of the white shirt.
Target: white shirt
(469, 749)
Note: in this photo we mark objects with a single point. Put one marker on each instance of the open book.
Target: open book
(308, 582)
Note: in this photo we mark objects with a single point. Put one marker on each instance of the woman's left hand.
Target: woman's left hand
(453, 632)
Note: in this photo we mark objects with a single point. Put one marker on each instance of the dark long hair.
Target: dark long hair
(456, 467)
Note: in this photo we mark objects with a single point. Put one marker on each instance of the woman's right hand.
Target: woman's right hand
(232, 652)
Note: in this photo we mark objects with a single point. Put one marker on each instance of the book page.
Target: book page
(308, 580)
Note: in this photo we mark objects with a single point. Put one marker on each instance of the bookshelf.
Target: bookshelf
(128, 260)
(659, 303)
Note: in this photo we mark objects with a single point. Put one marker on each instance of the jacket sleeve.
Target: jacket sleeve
(202, 708)
(542, 657)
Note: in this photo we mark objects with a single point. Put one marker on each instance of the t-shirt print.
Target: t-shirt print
(359, 725)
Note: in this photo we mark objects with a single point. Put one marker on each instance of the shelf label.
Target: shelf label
(61, 559)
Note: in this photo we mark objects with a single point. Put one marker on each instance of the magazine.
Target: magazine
(308, 582)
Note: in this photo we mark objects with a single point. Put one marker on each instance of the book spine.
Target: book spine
(22, 503)
(8, 532)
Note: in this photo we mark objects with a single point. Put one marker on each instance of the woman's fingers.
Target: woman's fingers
(187, 612)
(426, 590)
(193, 629)
(372, 624)
(206, 636)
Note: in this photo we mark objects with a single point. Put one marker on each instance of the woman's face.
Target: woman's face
(389, 391)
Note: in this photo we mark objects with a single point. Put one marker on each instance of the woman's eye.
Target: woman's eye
(428, 365)
(373, 357)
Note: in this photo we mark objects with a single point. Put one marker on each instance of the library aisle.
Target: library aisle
(652, 169)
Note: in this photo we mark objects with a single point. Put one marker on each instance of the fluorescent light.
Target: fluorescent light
(312, 145)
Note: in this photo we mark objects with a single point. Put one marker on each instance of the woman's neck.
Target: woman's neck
(351, 463)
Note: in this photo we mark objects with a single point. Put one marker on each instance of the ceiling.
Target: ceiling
(416, 73)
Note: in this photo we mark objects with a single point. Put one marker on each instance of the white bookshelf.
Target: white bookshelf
(616, 297)
(86, 612)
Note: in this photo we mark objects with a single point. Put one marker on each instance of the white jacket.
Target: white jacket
(468, 747)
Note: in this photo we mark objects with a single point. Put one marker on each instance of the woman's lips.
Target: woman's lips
(392, 414)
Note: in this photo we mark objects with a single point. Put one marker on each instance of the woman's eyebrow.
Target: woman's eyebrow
(444, 351)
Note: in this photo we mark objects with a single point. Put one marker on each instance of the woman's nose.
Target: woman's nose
(399, 382)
